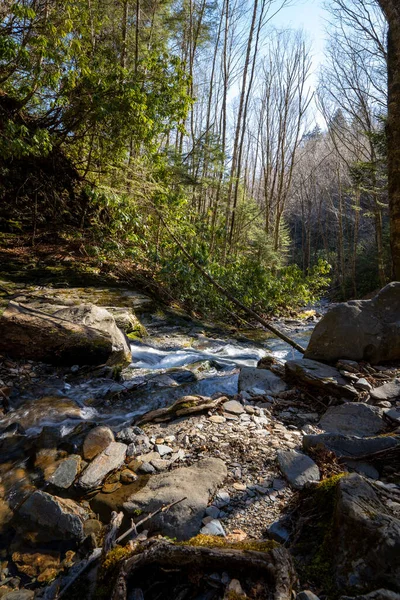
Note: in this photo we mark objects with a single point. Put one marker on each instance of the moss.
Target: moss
(232, 595)
(212, 541)
(108, 570)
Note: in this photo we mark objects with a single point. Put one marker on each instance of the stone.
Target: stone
(306, 595)
(163, 450)
(147, 467)
(363, 385)
(212, 511)
(350, 446)
(218, 419)
(262, 379)
(222, 499)
(30, 334)
(127, 476)
(234, 407)
(365, 536)
(394, 414)
(126, 435)
(298, 468)
(387, 391)
(324, 377)
(100, 319)
(278, 532)
(109, 460)
(127, 321)
(375, 595)
(96, 441)
(66, 472)
(213, 527)
(19, 595)
(352, 418)
(58, 517)
(196, 483)
(360, 330)
(362, 468)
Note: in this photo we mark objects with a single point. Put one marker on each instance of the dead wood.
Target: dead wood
(187, 405)
(270, 572)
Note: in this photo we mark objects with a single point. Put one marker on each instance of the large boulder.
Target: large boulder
(366, 535)
(325, 378)
(260, 381)
(83, 335)
(196, 484)
(299, 469)
(360, 330)
(100, 319)
(352, 418)
(52, 517)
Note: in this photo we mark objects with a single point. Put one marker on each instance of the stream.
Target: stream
(179, 357)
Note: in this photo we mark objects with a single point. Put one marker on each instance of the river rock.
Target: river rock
(58, 517)
(234, 407)
(30, 334)
(387, 391)
(96, 441)
(66, 472)
(197, 483)
(19, 595)
(350, 446)
(298, 468)
(360, 330)
(306, 595)
(324, 377)
(366, 535)
(127, 321)
(110, 459)
(352, 418)
(101, 320)
(375, 595)
(263, 380)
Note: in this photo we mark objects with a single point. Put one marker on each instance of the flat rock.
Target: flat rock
(298, 468)
(234, 407)
(365, 536)
(261, 379)
(213, 527)
(306, 595)
(387, 391)
(358, 330)
(324, 377)
(394, 414)
(109, 460)
(96, 441)
(59, 517)
(381, 594)
(352, 418)
(197, 483)
(66, 472)
(19, 595)
(350, 446)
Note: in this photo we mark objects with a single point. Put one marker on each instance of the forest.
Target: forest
(118, 118)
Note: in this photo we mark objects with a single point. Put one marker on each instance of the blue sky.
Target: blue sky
(310, 16)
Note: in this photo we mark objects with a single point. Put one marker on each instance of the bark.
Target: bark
(391, 9)
(271, 571)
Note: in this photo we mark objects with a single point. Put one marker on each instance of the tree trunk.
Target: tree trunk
(391, 9)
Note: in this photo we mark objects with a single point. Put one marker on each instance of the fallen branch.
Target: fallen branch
(187, 405)
(134, 527)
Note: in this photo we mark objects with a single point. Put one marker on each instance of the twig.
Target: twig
(160, 510)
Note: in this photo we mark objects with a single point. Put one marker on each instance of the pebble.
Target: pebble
(222, 499)
(212, 511)
(163, 450)
(234, 407)
(214, 527)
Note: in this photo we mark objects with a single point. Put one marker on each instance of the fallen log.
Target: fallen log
(187, 405)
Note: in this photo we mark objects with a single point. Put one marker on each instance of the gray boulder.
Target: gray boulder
(366, 535)
(57, 518)
(349, 446)
(260, 380)
(109, 460)
(387, 391)
(298, 468)
(360, 330)
(100, 319)
(352, 418)
(196, 483)
(66, 472)
(96, 441)
(325, 378)
(29, 334)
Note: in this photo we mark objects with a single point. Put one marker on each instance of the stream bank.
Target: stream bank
(77, 442)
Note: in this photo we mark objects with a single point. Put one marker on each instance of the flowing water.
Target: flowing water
(179, 357)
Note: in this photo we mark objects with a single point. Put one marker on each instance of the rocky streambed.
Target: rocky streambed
(263, 461)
